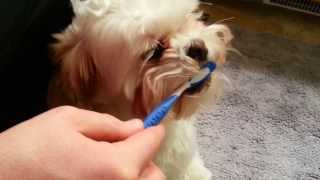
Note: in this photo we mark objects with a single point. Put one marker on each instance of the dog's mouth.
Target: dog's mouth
(199, 89)
(147, 99)
(164, 73)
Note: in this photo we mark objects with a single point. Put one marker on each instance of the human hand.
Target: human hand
(69, 143)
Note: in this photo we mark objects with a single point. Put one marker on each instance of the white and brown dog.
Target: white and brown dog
(123, 57)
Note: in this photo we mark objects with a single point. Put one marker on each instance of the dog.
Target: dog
(124, 57)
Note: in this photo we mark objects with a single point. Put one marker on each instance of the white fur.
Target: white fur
(100, 68)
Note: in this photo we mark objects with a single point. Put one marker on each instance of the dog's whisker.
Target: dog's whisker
(178, 75)
(203, 107)
(172, 72)
(194, 96)
(143, 65)
(224, 20)
(191, 69)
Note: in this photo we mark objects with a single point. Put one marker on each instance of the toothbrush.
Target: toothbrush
(155, 117)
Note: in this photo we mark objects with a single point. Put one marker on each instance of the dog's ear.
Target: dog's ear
(77, 70)
(223, 33)
(220, 38)
(90, 7)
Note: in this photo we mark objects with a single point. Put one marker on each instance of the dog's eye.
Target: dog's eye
(204, 18)
(154, 54)
(158, 51)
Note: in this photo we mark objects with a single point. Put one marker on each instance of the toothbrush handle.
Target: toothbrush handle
(155, 117)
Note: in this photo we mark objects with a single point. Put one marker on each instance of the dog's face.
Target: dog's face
(135, 52)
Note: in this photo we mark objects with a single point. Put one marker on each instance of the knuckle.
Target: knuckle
(65, 109)
(65, 113)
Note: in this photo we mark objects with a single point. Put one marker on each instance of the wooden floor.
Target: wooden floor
(264, 18)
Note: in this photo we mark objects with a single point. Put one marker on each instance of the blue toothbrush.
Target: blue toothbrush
(155, 117)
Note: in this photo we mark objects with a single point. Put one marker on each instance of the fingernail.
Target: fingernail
(136, 123)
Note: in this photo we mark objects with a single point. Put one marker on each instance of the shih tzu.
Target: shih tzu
(123, 57)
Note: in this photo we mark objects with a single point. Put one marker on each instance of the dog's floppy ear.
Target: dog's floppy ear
(77, 73)
(220, 38)
(223, 32)
(90, 7)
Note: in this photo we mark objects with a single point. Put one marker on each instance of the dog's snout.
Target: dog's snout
(197, 50)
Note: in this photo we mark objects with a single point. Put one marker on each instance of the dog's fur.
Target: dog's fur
(123, 57)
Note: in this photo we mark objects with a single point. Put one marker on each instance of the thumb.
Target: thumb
(104, 127)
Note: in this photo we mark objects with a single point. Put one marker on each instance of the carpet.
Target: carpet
(267, 125)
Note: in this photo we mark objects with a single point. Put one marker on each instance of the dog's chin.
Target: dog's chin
(190, 101)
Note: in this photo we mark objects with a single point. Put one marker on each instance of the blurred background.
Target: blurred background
(292, 19)
(267, 125)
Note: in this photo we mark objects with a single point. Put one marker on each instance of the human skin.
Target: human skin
(71, 143)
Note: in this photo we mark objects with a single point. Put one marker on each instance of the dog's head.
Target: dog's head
(134, 52)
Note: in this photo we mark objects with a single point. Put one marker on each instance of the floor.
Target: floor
(263, 18)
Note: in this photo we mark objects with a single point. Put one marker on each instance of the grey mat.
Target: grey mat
(267, 126)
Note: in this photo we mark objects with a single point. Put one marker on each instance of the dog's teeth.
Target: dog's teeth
(170, 50)
(170, 56)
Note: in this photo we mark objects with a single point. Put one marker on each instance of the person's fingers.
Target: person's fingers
(140, 149)
(152, 172)
(103, 127)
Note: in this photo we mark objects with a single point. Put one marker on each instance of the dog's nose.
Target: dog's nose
(197, 50)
